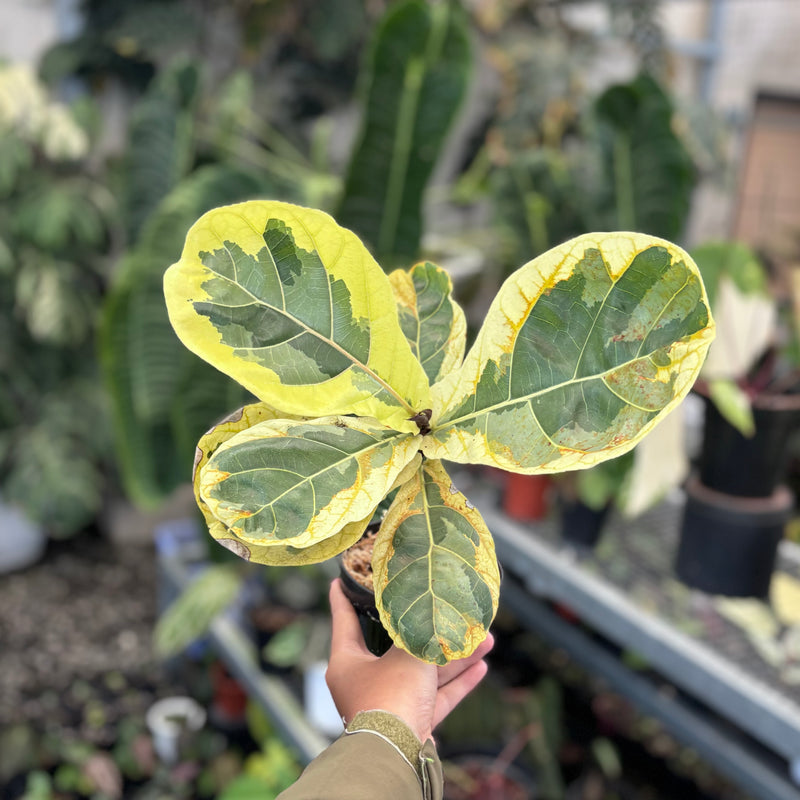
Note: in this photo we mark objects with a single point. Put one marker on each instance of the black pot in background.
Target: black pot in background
(581, 525)
(266, 621)
(754, 467)
(728, 544)
(376, 637)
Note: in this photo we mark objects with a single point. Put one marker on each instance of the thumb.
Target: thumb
(345, 628)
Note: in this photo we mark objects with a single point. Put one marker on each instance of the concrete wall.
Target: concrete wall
(760, 52)
(753, 49)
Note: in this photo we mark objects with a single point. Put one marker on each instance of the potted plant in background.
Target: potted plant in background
(738, 505)
(616, 161)
(363, 392)
(630, 484)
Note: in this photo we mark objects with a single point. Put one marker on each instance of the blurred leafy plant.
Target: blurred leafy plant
(193, 147)
(190, 616)
(266, 774)
(190, 149)
(614, 164)
(416, 76)
(56, 223)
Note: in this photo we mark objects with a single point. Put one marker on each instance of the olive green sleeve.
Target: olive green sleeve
(377, 756)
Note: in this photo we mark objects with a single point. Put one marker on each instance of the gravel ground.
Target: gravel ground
(76, 627)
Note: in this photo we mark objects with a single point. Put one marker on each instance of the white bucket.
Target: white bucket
(170, 722)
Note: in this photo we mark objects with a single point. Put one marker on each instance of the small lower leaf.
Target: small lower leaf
(298, 482)
(436, 578)
(431, 319)
(275, 554)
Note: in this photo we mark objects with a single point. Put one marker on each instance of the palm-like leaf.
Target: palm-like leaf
(417, 76)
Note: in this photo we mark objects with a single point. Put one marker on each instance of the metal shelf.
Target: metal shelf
(711, 741)
(270, 692)
(539, 568)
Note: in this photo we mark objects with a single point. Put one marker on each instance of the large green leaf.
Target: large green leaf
(649, 172)
(582, 352)
(417, 75)
(435, 574)
(162, 396)
(293, 307)
(295, 482)
(160, 143)
(431, 319)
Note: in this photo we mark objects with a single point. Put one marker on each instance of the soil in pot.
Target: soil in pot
(356, 573)
(582, 525)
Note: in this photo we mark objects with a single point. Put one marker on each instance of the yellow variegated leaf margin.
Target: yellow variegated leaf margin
(297, 482)
(435, 574)
(582, 352)
(293, 307)
(276, 555)
(431, 319)
(272, 554)
(288, 556)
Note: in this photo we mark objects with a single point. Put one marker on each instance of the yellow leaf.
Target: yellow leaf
(293, 307)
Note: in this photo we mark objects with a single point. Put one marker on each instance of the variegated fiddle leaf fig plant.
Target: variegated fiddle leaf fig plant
(364, 388)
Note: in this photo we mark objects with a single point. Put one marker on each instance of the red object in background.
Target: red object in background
(230, 699)
(526, 496)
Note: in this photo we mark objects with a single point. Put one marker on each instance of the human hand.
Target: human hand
(422, 695)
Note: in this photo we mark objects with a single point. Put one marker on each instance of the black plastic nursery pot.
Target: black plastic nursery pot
(376, 637)
(728, 544)
(755, 466)
(582, 525)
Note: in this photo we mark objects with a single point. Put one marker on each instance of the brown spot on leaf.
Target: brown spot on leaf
(234, 417)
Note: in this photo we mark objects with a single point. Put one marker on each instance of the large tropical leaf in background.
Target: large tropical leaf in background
(163, 397)
(585, 349)
(416, 79)
(645, 162)
(161, 143)
(623, 168)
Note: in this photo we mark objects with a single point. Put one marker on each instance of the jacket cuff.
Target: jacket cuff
(421, 758)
